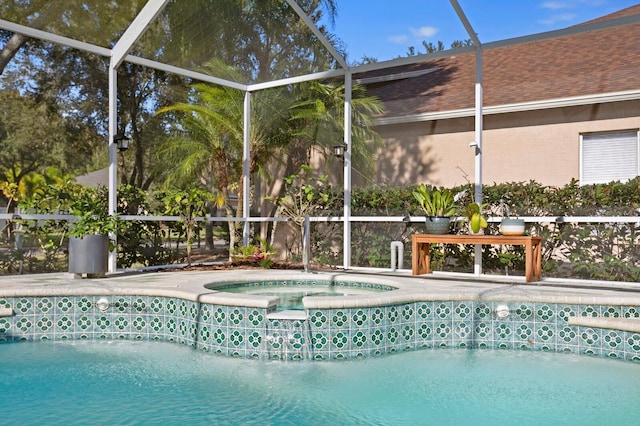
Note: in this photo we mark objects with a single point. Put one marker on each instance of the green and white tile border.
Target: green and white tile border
(407, 319)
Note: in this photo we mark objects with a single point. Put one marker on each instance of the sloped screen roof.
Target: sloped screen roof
(265, 41)
(96, 22)
(262, 40)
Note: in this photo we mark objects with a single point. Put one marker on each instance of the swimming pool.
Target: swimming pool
(160, 383)
(417, 319)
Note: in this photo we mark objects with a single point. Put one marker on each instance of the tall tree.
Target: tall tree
(260, 39)
(99, 23)
(286, 124)
(438, 46)
(141, 91)
(32, 136)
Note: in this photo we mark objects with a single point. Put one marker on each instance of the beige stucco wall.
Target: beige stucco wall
(539, 145)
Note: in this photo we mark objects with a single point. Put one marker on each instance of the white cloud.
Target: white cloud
(552, 20)
(592, 3)
(570, 4)
(421, 33)
(555, 5)
(424, 32)
(558, 5)
(400, 39)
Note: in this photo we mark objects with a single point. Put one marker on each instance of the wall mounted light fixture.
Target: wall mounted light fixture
(122, 142)
(339, 150)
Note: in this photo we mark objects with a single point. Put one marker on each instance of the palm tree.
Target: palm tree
(317, 120)
(208, 146)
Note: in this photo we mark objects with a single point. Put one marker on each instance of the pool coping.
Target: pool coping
(190, 285)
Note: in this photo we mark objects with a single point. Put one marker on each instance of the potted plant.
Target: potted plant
(89, 232)
(438, 205)
(476, 218)
(510, 225)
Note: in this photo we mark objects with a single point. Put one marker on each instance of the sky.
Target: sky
(384, 29)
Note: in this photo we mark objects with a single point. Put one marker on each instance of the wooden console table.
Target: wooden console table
(421, 255)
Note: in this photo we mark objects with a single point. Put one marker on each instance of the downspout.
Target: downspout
(306, 244)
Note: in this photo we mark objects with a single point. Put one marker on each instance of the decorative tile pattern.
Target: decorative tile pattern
(306, 283)
(327, 333)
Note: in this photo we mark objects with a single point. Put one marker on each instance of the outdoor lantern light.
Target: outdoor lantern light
(122, 142)
(338, 150)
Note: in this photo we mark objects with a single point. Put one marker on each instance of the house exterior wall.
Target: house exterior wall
(542, 145)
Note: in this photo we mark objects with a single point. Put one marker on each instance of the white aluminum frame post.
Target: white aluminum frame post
(347, 171)
(477, 143)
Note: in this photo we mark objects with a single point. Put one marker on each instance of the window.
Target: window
(607, 157)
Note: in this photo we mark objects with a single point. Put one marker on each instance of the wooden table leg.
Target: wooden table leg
(426, 256)
(533, 261)
(415, 257)
(528, 262)
(420, 258)
(537, 261)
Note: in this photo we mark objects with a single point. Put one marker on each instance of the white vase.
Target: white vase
(512, 226)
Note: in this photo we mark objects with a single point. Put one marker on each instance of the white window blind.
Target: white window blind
(607, 157)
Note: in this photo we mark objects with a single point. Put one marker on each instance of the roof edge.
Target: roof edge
(627, 95)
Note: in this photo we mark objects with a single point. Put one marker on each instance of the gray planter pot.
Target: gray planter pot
(437, 224)
(89, 255)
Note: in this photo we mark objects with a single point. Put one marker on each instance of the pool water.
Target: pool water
(128, 383)
(291, 295)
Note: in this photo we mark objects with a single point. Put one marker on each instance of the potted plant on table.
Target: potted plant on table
(510, 225)
(89, 232)
(438, 205)
(477, 221)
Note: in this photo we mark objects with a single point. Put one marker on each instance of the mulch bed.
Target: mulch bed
(234, 265)
(217, 260)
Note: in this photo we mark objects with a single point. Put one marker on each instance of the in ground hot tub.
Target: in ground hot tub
(292, 292)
